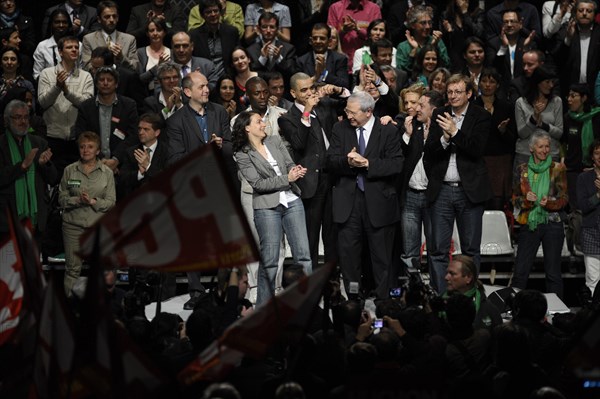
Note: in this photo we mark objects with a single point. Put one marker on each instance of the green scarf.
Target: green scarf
(587, 131)
(24, 185)
(539, 180)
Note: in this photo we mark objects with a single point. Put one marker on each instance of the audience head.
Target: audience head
(199, 329)
(359, 108)
(387, 344)
(240, 59)
(101, 56)
(11, 61)
(183, 47)
(247, 123)
(149, 126)
(106, 80)
(195, 87)
(419, 19)
(224, 89)
(89, 147)
(292, 274)
(461, 274)
(459, 89)
(584, 11)
(547, 393)
(511, 350)
(578, 99)
(9, 36)
(390, 77)
(108, 15)
(8, 7)
(539, 145)
(541, 83)
(68, 49)
(426, 61)
(531, 60)
(595, 157)
(302, 87)
(377, 30)
(60, 24)
(429, 101)
(276, 84)
(409, 98)
(268, 24)
(438, 79)
(362, 356)
(156, 30)
(474, 53)
(257, 91)
(168, 76)
(289, 390)
(530, 305)
(511, 22)
(489, 81)
(382, 51)
(211, 11)
(334, 41)
(460, 314)
(16, 117)
(320, 37)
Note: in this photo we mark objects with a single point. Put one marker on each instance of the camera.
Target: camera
(396, 292)
(378, 323)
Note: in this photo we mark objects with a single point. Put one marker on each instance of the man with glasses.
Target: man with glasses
(366, 159)
(307, 127)
(529, 14)
(458, 184)
(26, 167)
(169, 98)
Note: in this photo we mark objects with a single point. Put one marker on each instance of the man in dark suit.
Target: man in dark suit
(269, 54)
(366, 159)
(143, 161)
(458, 184)
(112, 116)
(505, 51)
(214, 40)
(83, 17)
(582, 33)
(183, 48)
(322, 64)
(307, 127)
(196, 124)
(413, 180)
(164, 9)
(130, 84)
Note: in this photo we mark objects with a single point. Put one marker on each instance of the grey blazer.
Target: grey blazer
(96, 39)
(261, 176)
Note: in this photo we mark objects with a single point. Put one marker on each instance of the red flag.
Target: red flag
(188, 219)
(106, 362)
(11, 290)
(254, 334)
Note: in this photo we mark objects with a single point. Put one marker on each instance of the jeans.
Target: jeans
(452, 203)
(414, 215)
(552, 236)
(270, 225)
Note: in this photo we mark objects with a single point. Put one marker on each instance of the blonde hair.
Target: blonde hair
(417, 88)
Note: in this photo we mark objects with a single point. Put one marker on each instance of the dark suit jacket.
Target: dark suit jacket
(175, 18)
(571, 60)
(502, 63)
(412, 154)
(87, 16)
(336, 65)
(208, 69)
(287, 66)
(308, 144)
(124, 118)
(184, 134)
(385, 163)
(26, 27)
(587, 200)
(128, 169)
(230, 38)
(131, 86)
(9, 172)
(469, 141)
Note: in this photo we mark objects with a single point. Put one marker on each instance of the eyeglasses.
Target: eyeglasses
(425, 23)
(172, 78)
(19, 117)
(351, 113)
(455, 92)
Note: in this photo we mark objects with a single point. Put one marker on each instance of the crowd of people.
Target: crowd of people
(354, 123)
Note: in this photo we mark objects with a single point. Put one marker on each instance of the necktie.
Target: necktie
(108, 41)
(184, 70)
(360, 179)
(75, 15)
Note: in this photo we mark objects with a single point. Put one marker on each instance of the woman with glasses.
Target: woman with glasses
(419, 20)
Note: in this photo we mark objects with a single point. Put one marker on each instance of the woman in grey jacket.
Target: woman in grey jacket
(269, 169)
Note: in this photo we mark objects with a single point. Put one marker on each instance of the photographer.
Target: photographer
(462, 278)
